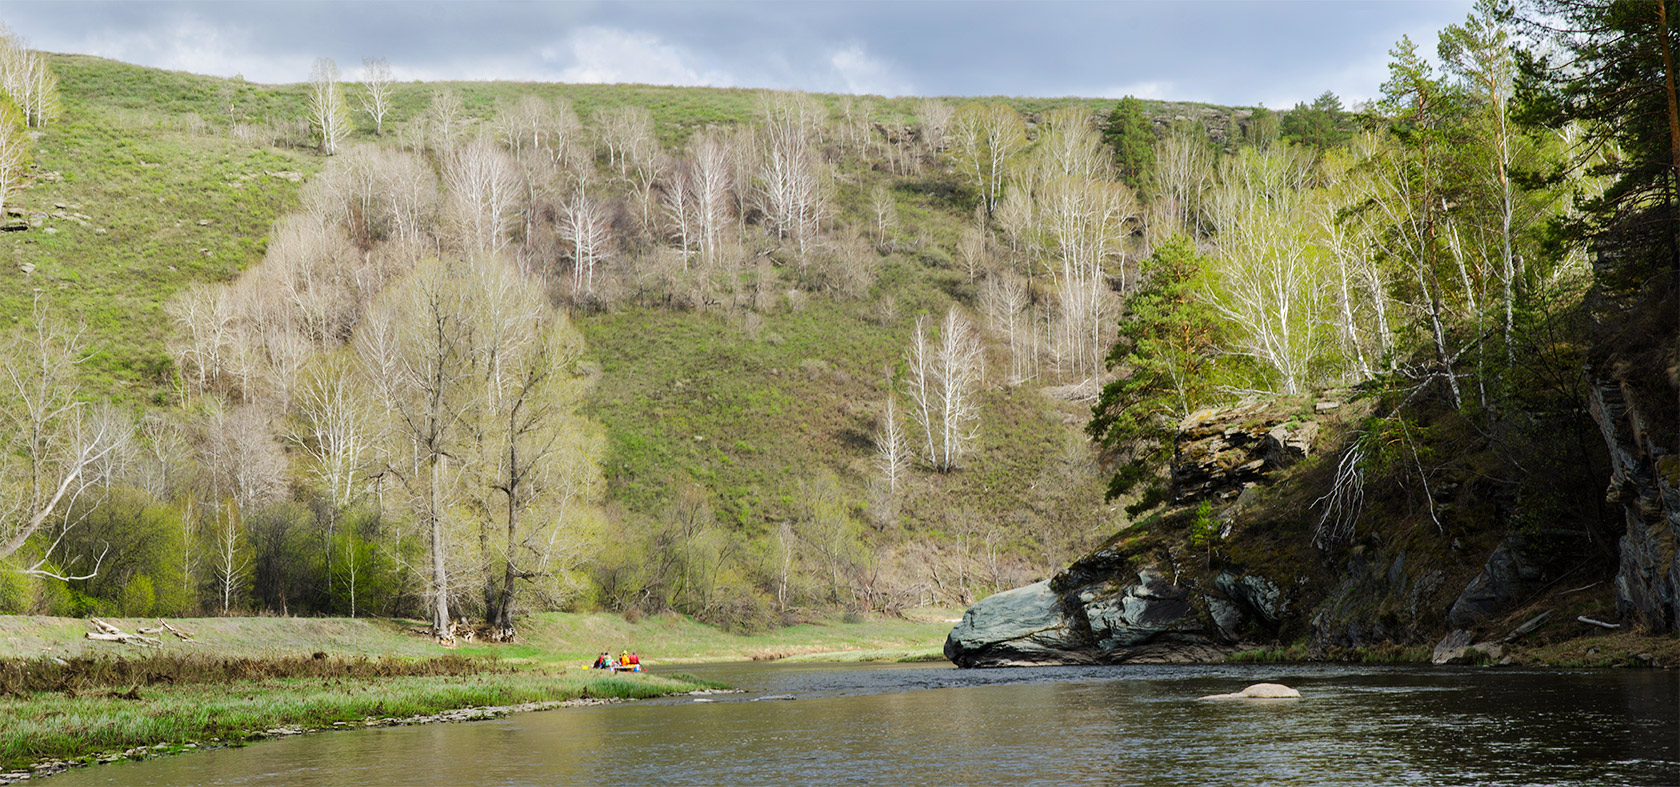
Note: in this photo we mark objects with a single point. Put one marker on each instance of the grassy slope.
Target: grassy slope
(172, 199)
(168, 207)
(148, 155)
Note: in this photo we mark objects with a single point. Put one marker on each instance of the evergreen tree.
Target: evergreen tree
(1164, 356)
(1321, 125)
(1615, 77)
(1132, 138)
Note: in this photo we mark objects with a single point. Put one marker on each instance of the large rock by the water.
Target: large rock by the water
(1021, 626)
(1151, 610)
(1522, 565)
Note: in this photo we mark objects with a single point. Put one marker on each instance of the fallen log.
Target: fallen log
(1585, 619)
(109, 633)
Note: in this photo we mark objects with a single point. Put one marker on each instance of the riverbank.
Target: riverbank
(69, 700)
(61, 713)
(557, 638)
(1593, 651)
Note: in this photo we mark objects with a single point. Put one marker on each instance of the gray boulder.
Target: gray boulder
(1451, 649)
(1152, 610)
(1016, 627)
(1519, 567)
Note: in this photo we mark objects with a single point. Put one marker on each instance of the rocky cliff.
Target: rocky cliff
(1473, 566)
(1126, 602)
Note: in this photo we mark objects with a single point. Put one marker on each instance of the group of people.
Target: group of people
(627, 661)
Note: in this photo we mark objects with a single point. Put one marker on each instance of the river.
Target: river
(934, 725)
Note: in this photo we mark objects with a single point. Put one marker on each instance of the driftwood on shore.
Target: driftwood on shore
(105, 632)
(163, 627)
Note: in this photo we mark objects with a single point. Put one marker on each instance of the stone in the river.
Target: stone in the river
(1260, 691)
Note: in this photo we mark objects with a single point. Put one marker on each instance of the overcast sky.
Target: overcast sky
(1238, 52)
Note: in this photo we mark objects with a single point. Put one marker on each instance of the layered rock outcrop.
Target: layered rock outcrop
(1219, 452)
(1645, 483)
(1114, 617)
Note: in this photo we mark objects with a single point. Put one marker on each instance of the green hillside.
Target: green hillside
(152, 181)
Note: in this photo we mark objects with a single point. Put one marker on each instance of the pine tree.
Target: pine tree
(1129, 134)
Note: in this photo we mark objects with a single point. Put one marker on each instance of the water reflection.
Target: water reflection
(923, 725)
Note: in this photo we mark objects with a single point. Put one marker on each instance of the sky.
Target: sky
(1233, 52)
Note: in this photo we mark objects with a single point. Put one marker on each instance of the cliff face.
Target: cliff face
(1123, 602)
(1645, 485)
(1145, 597)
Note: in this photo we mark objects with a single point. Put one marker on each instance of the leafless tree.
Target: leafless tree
(943, 382)
(678, 205)
(585, 225)
(52, 443)
(885, 210)
(1268, 282)
(26, 78)
(483, 193)
(205, 335)
(1005, 299)
(244, 463)
(711, 181)
(1183, 169)
(15, 150)
(444, 121)
(376, 91)
(328, 115)
(935, 118)
(984, 137)
(790, 177)
(892, 451)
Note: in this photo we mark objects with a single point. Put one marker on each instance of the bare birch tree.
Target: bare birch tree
(790, 178)
(26, 78)
(585, 225)
(892, 451)
(483, 193)
(51, 442)
(376, 91)
(15, 150)
(328, 115)
(944, 377)
(984, 137)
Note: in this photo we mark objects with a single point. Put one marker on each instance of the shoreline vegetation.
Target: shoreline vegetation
(71, 701)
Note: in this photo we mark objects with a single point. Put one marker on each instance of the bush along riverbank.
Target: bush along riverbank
(62, 713)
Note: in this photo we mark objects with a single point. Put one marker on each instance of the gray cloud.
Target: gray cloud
(1229, 51)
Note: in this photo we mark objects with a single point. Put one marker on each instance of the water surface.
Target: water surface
(934, 725)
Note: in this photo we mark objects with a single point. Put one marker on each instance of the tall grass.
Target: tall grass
(45, 726)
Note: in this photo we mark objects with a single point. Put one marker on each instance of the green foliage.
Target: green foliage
(1204, 528)
(1131, 136)
(1262, 128)
(1164, 357)
(1619, 90)
(1321, 125)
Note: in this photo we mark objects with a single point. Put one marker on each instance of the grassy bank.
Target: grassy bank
(560, 638)
(69, 700)
(45, 730)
